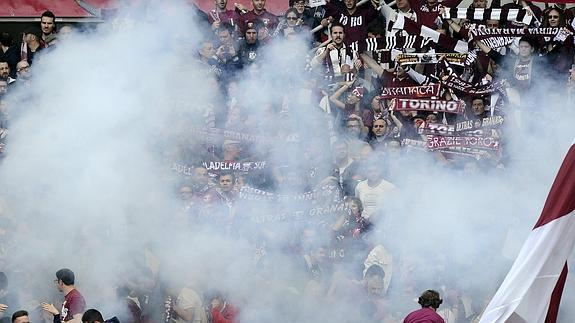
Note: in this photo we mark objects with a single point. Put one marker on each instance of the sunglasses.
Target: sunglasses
(553, 17)
(292, 18)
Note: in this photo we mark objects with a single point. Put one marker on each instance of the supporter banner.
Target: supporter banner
(413, 28)
(437, 129)
(496, 38)
(217, 135)
(456, 107)
(234, 166)
(424, 91)
(483, 33)
(394, 42)
(487, 122)
(443, 142)
(520, 15)
(414, 143)
(425, 58)
(254, 194)
(298, 215)
(454, 82)
(182, 169)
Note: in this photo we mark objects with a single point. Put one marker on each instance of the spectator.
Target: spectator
(248, 51)
(5, 72)
(32, 37)
(187, 306)
(352, 18)
(48, 26)
(9, 52)
(8, 300)
(429, 302)
(74, 303)
(558, 54)
(24, 71)
(221, 14)
(259, 13)
(20, 317)
(374, 191)
(221, 310)
(334, 58)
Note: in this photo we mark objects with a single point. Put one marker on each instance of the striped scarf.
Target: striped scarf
(519, 15)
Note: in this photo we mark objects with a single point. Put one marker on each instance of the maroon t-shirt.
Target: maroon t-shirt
(354, 25)
(229, 16)
(74, 303)
(424, 315)
(269, 20)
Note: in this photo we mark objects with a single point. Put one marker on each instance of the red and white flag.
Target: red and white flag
(532, 290)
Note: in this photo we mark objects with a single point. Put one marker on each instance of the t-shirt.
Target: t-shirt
(269, 20)
(354, 25)
(373, 198)
(424, 315)
(74, 303)
(189, 299)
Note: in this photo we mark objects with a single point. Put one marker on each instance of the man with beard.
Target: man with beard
(221, 15)
(335, 57)
(5, 72)
(259, 13)
(354, 19)
(248, 51)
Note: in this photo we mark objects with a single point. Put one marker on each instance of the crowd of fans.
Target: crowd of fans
(386, 82)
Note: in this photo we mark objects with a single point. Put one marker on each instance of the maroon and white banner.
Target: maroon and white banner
(485, 123)
(427, 58)
(437, 129)
(454, 82)
(217, 135)
(520, 15)
(245, 166)
(501, 37)
(430, 105)
(424, 91)
(444, 142)
(532, 290)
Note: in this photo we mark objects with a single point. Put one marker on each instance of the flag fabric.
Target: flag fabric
(555, 1)
(532, 289)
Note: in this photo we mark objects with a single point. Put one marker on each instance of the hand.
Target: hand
(358, 64)
(324, 22)
(216, 24)
(3, 307)
(330, 46)
(50, 308)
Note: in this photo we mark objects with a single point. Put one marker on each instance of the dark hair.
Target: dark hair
(18, 314)
(530, 40)
(228, 27)
(227, 173)
(66, 276)
(337, 24)
(430, 298)
(376, 27)
(6, 39)
(3, 280)
(34, 31)
(92, 315)
(49, 14)
(291, 10)
(545, 22)
(356, 201)
(375, 270)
